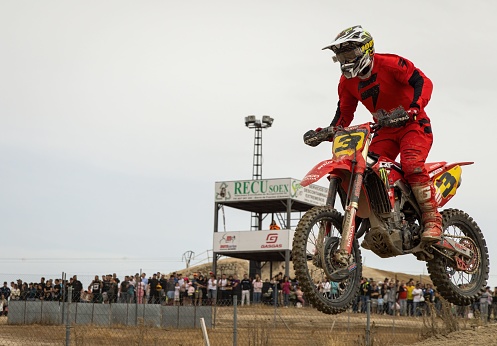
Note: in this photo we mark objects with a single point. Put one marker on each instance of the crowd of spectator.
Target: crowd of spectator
(174, 289)
(394, 297)
(390, 297)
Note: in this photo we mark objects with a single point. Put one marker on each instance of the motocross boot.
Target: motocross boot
(432, 220)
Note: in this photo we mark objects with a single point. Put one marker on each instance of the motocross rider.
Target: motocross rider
(385, 82)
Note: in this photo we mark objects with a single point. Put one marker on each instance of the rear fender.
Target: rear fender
(447, 180)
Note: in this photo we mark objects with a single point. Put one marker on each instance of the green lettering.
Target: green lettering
(238, 185)
(246, 187)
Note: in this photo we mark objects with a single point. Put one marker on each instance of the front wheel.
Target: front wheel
(316, 240)
(460, 287)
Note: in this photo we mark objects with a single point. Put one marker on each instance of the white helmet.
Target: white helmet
(354, 49)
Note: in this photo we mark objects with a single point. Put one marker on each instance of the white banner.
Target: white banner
(266, 189)
(249, 241)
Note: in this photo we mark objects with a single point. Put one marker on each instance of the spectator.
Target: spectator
(375, 294)
(24, 290)
(4, 305)
(105, 288)
(191, 293)
(183, 291)
(170, 286)
(391, 298)
(140, 291)
(182, 287)
(300, 297)
(286, 288)
(245, 285)
(402, 294)
(257, 286)
(222, 287)
(131, 290)
(96, 289)
(212, 289)
(381, 303)
(429, 296)
(113, 290)
(57, 291)
(15, 293)
(154, 294)
(274, 226)
(48, 290)
(365, 293)
(333, 290)
(326, 289)
(123, 290)
(417, 295)
(437, 302)
(201, 290)
(116, 279)
(162, 293)
(32, 292)
(42, 283)
(77, 288)
(5, 291)
(177, 293)
(236, 289)
(410, 303)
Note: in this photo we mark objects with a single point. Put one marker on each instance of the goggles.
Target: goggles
(348, 56)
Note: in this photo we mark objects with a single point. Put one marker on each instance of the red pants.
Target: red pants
(412, 141)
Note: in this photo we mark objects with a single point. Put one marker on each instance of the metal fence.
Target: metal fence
(227, 323)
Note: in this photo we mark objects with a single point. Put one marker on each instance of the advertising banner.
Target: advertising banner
(250, 241)
(267, 189)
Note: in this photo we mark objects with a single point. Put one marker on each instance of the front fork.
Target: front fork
(348, 227)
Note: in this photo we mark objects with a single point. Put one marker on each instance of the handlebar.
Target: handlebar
(314, 138)
(398, 117)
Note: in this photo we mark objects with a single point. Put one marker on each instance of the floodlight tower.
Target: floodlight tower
(253, 123)
(256, 218)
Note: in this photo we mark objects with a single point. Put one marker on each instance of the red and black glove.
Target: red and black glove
(397, 117)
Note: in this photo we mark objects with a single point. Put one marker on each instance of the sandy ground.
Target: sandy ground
(480, 336)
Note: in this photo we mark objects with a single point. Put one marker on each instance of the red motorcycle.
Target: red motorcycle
(378, 203)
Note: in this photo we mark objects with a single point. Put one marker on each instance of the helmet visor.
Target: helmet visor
(348, 56)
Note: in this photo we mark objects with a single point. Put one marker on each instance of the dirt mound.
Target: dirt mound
(480, 336)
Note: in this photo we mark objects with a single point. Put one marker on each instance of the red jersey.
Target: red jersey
(394, 82)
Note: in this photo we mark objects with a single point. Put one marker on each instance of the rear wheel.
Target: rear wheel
(316, 240)
(460, 286)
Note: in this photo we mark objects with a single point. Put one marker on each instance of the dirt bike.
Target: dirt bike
(379, 204)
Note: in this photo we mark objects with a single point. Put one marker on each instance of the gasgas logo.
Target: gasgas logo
(271, 240)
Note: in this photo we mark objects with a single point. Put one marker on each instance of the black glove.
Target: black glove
(311, 138)
(396, 118)
(315, 137)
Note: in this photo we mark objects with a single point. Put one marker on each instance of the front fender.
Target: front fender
(323, 168)
(342, 170)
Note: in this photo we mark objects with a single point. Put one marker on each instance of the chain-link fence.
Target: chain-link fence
(226, 323)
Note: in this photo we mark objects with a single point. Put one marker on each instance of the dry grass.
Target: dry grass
(256, 326)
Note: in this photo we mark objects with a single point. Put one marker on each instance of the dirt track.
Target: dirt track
(481, 336)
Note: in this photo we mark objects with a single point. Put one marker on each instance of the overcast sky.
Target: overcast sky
(117, 117)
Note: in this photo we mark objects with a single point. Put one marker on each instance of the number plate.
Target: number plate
(345, 144)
